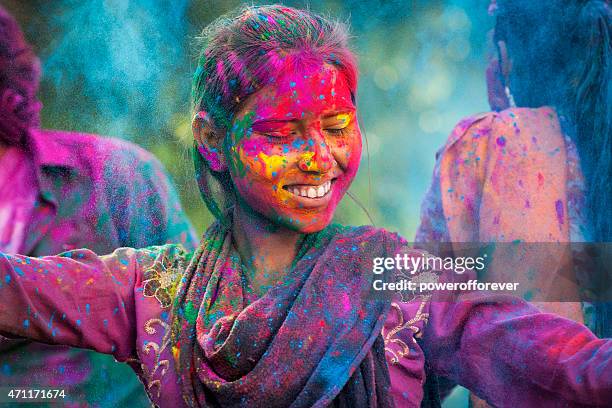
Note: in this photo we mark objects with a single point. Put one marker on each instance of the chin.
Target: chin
(323, 220)
(311, 229)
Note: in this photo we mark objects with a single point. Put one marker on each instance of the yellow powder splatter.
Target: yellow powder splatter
(272, 163)
(345, 118)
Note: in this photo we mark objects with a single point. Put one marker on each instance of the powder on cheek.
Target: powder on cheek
(262, 158)
(348, 161)
(349, 154)
(354, 158)
(272, 164)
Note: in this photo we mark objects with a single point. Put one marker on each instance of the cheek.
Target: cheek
(271, 166)
(355, 157)
(347, 153)
(260, 163)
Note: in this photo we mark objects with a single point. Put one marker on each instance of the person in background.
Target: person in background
(538, 167)
(61, 191)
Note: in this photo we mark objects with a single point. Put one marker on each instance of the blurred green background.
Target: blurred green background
(122, 68)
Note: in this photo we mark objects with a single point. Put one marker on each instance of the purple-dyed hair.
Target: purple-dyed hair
(246, 50)
(19, 79)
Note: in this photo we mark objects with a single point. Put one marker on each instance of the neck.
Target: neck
(266, 249)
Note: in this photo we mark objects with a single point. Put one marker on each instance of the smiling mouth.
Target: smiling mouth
(309, 190)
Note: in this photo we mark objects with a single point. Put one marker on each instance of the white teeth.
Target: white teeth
(311, 192)
(320, 191)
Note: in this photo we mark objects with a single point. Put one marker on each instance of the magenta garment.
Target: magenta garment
(20, 68)
(98, 193)
(16, 199)
(505, 350)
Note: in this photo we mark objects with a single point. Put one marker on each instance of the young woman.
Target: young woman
(274, 308)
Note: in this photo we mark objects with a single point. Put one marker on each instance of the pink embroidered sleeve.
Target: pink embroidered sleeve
(510, 354)
(501, 348)
(80, 299)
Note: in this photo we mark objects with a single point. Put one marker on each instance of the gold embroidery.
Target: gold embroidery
(390, 338)
(160, 280)
(160, 367)
(423, 275)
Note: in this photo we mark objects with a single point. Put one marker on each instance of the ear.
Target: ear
(498, 77)
(209, 141)
(505, 64)
(498, 101)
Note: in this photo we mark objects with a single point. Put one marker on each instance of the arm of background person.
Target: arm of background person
(459, 161)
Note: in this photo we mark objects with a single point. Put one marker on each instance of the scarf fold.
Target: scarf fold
(311, 340)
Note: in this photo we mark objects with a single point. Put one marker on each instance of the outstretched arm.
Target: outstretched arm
(510, 354)
(77, 298)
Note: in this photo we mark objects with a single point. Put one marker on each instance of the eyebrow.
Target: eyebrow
(339, 112)
(273, 120)
(326, 115)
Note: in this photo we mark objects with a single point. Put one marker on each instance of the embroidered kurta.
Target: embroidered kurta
(119, 304)
(97, 193)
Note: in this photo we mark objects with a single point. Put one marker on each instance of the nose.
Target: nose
(319, 158)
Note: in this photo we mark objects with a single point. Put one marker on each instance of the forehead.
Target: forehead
(300, 93)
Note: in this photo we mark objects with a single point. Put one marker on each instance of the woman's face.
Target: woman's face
(295, 147)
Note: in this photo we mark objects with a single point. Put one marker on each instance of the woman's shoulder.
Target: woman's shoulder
(507, 126)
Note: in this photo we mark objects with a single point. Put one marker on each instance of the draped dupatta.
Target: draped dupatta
(311, 340)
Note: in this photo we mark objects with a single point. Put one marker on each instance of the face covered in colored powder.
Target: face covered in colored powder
(295, 147)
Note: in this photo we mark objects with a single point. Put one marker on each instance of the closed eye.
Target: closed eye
(276, 136)
(337, 131)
